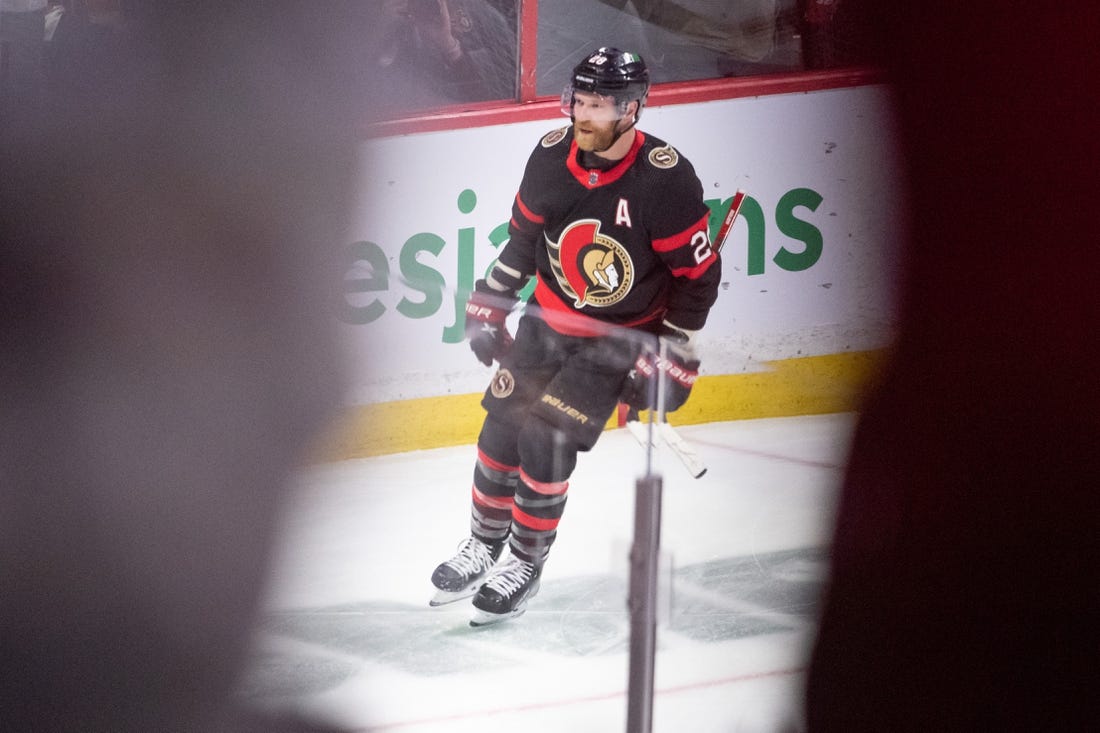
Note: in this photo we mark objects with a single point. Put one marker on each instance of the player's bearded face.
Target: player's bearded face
(595, 120)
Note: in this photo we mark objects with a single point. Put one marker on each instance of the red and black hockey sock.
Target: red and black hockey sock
(535, 516)
(492, 499)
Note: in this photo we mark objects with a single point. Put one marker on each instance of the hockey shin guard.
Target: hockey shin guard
(538, 509)
(492, 499)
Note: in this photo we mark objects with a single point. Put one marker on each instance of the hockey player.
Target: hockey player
(611, 223)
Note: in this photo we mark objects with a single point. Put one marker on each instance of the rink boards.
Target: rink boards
(805, 311)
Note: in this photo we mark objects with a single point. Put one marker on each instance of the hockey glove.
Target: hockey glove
(485, 329)
(678, 369)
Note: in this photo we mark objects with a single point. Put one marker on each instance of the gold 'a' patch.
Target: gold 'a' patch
(664, 157)
(553, 138)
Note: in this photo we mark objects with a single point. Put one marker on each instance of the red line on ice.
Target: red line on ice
(574, 701)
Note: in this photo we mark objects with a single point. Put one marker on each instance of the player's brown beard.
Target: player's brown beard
(599, 137)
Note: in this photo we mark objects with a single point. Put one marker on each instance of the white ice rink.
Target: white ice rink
(348, 634)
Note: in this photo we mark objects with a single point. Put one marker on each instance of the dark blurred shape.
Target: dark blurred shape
(170, 219)
(837, 33)
(963, 593)
(22, 50)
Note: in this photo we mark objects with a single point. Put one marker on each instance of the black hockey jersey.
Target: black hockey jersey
(628, 245)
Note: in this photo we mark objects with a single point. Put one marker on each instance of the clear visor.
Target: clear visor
(591, 106)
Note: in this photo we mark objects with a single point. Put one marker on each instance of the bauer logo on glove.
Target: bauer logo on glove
(678, 368)
(642, 385)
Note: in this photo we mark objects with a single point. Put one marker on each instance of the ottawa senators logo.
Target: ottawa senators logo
(553, 138)
(664, 157)
(503, 384)
(590, 267)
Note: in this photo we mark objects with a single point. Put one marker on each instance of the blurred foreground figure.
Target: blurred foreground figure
(963, 594)
(167, 219)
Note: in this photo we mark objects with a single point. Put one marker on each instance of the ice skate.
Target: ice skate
(506, 592)
(461, 576)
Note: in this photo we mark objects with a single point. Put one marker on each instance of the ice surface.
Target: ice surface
(347, 633)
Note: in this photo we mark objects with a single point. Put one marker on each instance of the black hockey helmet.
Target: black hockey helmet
(609, 72)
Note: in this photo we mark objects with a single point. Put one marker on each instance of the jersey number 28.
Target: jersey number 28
(701, 244)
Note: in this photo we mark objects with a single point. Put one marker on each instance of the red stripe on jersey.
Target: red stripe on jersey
(531, 216)
(554, 488)
(561, 316)
(681, 239)
(493, 502)
(585, 176)
(493, 463)
(539, 524)
(694, 273)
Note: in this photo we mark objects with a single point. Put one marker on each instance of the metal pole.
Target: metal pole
(643, 603)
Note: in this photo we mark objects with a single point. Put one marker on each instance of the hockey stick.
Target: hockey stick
(727, 223)
(687, 455)
(680, 447)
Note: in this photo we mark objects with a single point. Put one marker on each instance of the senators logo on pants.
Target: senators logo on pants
(592, 268)
(503, 384)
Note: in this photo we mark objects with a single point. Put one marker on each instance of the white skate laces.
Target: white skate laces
(474, 556)
(511, 576)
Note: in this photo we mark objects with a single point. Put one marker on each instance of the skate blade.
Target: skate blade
(444, 597)
(484, 618)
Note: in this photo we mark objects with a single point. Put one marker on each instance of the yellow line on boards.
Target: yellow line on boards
(811, 385)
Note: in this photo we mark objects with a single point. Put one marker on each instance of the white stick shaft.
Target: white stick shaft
(668, 435)
(687, 455)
